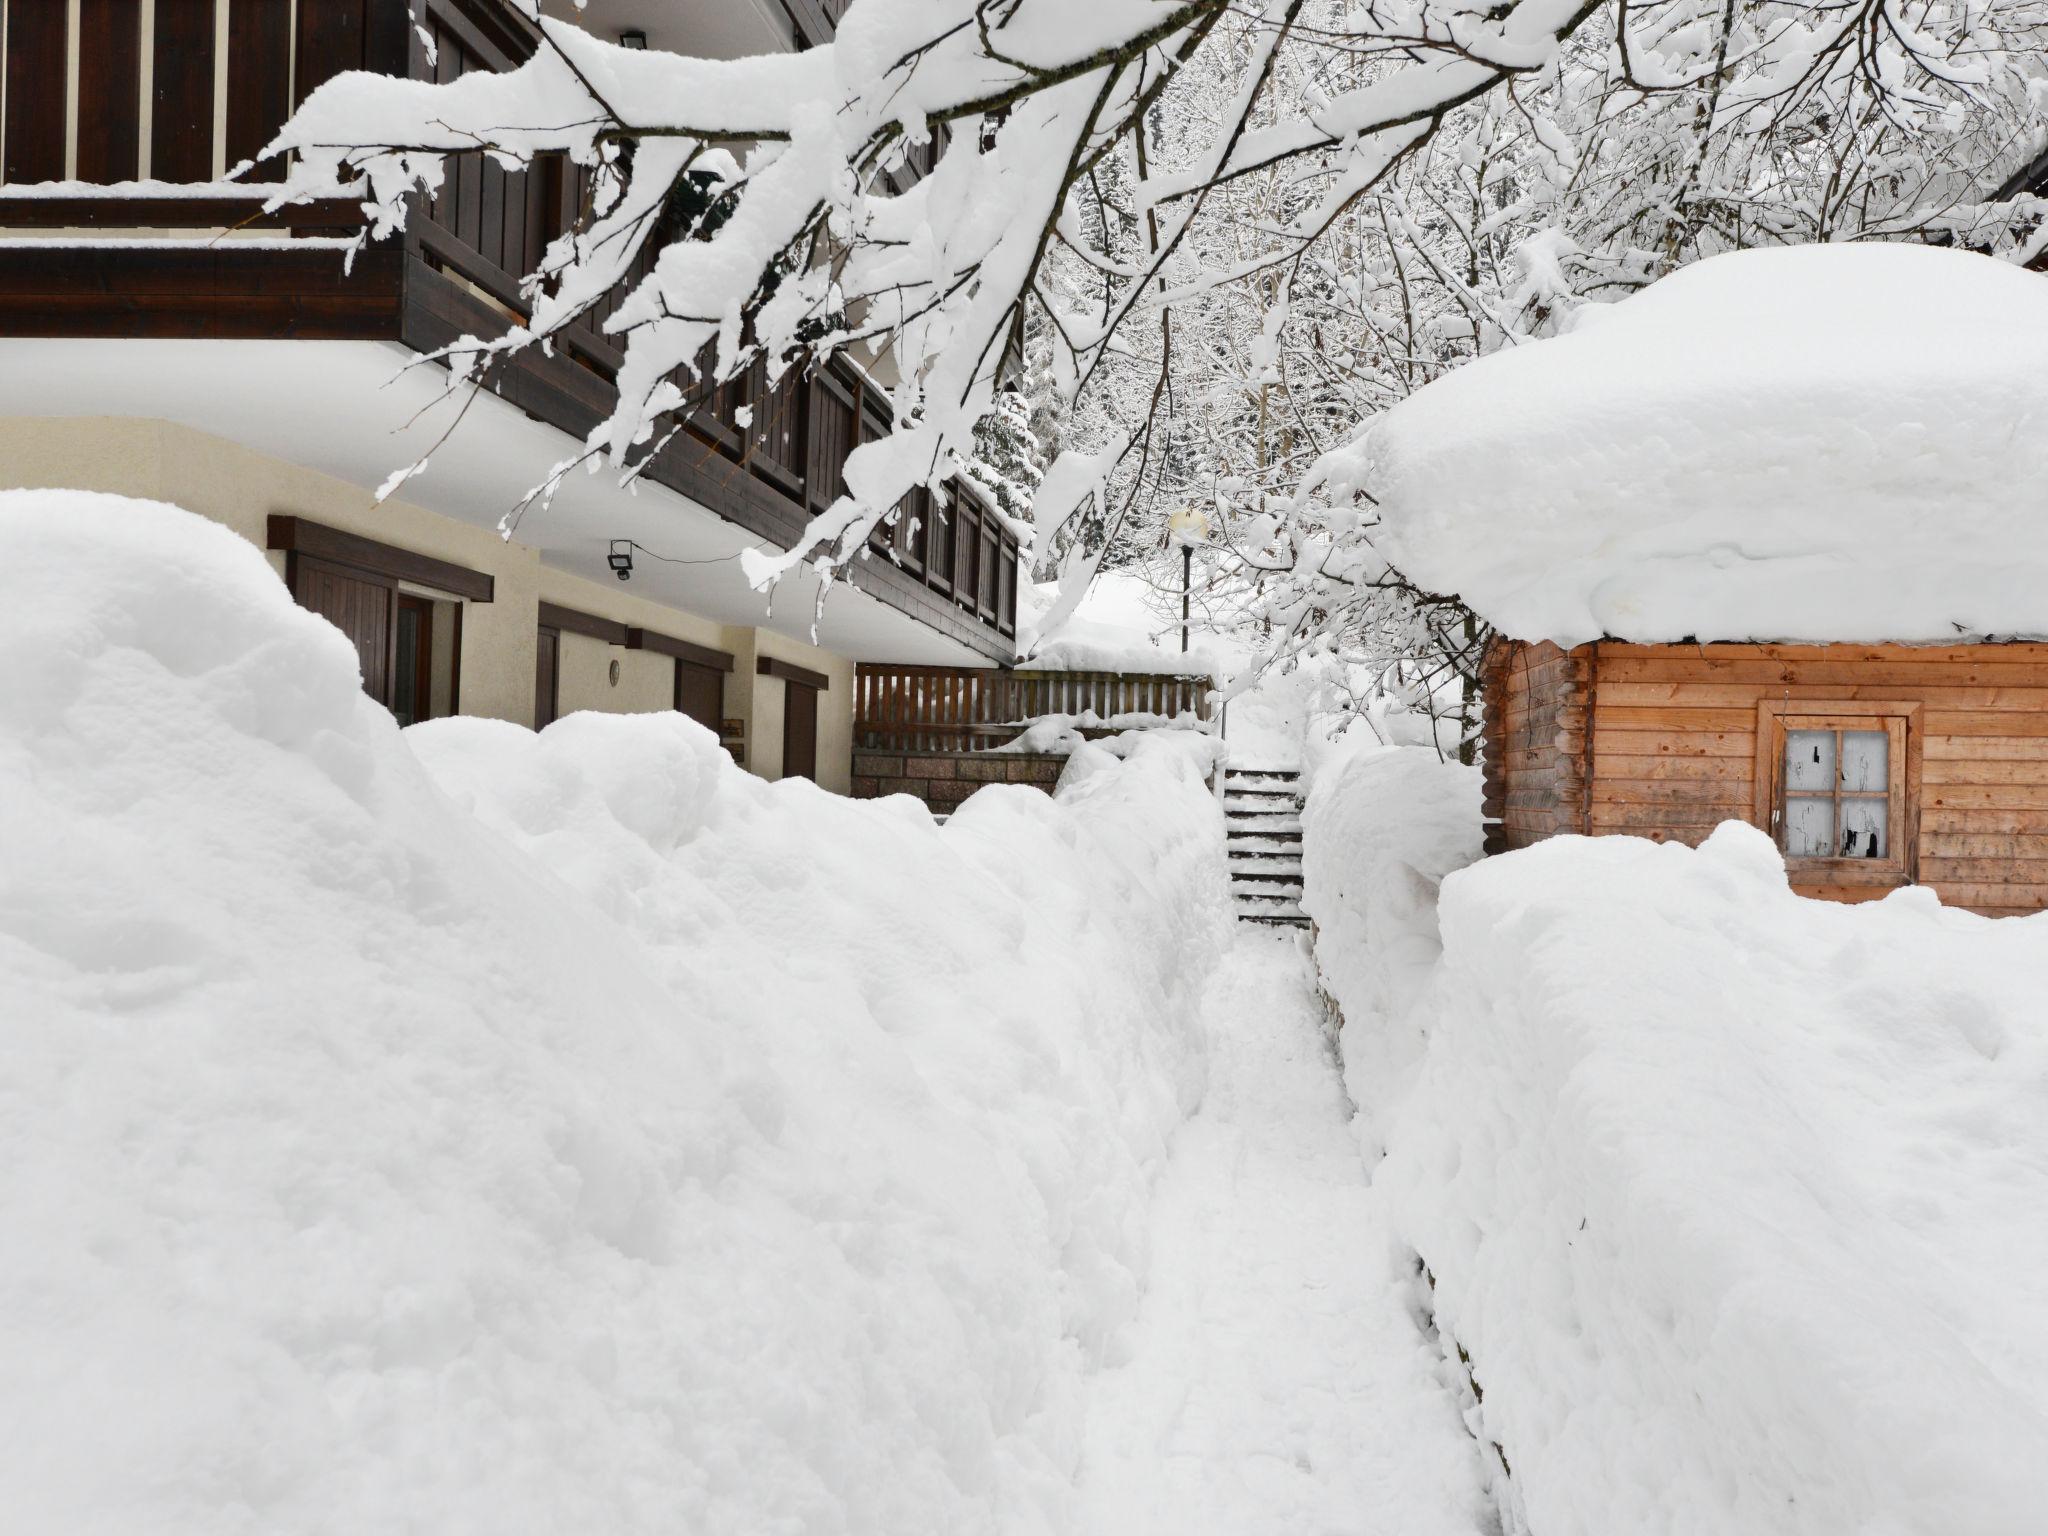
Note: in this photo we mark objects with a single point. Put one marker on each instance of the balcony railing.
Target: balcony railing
(968, 709)
(950, 560)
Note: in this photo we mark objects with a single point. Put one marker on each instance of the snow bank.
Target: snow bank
(1822, 443)
(1735, 1199)
(1381, 828)
(475, 1131)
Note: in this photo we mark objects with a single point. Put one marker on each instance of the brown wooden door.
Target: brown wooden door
(799, 731)
(412, 659)
(700, 693)
(547, 677)
(358, 605)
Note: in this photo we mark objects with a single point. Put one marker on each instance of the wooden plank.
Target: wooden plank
(2011, 650)
(1972, 797)
(576, 622)
(37, 43)
(638, 639)
(1668, 792)
(1981, 671)
(303, 536)
(1951, 770)
(1964, 894)
(2008, 846)
(1608, 765)
(1943, 820)
(1954, 722)
(1985, 749)
(181, 92)
(259, 82)
(790, 672)
(1734, 695)
(1610, 716)
(1635, 816)
(330, 41)
(28, 212)
(1844, 893)
(1991, 870)
(1674, 743)
(110, 92)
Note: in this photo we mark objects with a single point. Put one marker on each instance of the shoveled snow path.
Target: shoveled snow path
(1279, 1382)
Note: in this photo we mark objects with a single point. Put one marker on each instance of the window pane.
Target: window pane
(1809, 760)
(1864, 829)
(1809, 827)
(1865, 762)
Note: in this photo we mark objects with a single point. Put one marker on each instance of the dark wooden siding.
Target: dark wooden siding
(110, 80)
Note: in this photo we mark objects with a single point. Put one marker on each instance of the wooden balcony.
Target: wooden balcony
(969, 710)
(150, 259)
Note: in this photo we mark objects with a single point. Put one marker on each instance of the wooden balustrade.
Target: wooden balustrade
(969, 709)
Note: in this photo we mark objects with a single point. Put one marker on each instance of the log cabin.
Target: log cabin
(1874, 766)
(1763, 551)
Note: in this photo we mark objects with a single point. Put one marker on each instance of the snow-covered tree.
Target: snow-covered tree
(1440, 175)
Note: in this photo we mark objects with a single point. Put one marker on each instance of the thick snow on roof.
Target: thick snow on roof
(1819, 443)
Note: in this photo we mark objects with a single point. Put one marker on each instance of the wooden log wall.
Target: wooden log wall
(1535, 756)
(1674, 748)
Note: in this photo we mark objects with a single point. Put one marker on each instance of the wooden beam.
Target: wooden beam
(638, 639)
(572, 621)
(789, 672)
(299, 535)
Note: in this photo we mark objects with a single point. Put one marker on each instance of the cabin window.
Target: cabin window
(1838, 790)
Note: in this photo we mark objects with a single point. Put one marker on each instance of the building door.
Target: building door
(700, 693)
(412, 659)
(799, 731)
(547, 677)
(359, 605)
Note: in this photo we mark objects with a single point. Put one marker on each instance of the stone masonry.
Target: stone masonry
(943, 779)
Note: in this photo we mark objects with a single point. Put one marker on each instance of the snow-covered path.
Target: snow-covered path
(1278, 1383)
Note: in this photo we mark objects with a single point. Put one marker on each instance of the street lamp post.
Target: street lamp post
(1187, 526)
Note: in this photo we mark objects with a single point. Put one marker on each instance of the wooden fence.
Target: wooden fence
(970, 709)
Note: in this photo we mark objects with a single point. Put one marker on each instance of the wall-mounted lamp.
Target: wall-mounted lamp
(621, 559)
(632, 39)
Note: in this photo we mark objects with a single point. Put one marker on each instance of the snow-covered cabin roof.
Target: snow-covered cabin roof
(1818, 443)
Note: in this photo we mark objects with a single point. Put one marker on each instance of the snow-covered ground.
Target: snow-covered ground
(1280, 1381)
(464, 1130)
(1739, 1201)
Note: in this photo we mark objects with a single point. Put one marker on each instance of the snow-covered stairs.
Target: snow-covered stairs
(1262, 826)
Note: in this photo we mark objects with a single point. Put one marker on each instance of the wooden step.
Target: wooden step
(1245, 883)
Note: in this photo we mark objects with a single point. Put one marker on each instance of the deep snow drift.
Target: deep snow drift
(1826, 443)
(474, 1131)
(1739, 1201)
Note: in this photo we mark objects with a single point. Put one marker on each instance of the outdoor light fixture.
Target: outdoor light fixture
(621, 559)
(632, 39)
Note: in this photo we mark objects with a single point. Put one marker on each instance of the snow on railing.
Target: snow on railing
(976, 709)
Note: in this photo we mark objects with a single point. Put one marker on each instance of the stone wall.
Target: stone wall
(943, 779)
